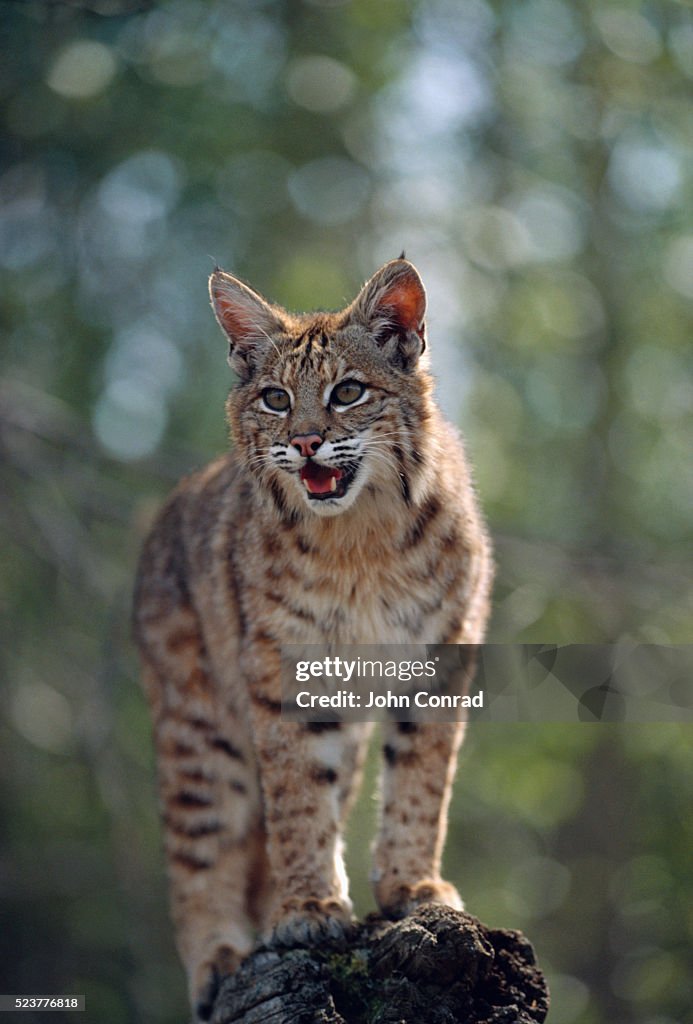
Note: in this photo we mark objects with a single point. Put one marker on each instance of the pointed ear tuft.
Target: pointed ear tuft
(393, 302)
(244, 316)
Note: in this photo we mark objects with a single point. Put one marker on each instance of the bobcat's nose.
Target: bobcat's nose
(306, 444)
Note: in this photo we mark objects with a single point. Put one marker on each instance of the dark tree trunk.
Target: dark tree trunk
(437, 966)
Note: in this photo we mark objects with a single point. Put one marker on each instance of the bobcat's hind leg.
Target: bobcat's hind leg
(208, 782)
(211, 809)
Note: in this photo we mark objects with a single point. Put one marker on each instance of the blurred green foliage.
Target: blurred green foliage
(535, 160)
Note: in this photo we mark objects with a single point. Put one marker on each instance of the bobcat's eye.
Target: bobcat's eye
(346, 393)
(276, 399)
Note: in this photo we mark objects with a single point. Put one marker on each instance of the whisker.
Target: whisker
(374, 442)
(384, 460)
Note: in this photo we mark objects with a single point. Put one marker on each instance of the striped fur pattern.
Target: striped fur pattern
(344, 513)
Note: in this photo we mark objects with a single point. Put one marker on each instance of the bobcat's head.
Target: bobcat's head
(328, 404)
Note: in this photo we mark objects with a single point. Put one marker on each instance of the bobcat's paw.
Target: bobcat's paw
(311, 922)
(208, 977)
(397, 900)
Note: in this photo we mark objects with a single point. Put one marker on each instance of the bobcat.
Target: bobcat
(344, 513)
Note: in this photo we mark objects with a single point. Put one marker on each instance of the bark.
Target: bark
(437, 966)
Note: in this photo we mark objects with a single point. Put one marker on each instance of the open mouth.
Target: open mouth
(323, 482)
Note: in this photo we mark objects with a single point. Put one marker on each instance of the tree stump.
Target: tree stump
(437, 966)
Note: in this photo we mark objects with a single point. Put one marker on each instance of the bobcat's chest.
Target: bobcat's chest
(355, 604)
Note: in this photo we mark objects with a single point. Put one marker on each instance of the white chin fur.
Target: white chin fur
(330, 506)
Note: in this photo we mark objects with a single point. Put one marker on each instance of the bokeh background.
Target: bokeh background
(535, 160)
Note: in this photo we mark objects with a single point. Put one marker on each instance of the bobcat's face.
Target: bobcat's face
(328, 404)
(322, 432)
(325, 418)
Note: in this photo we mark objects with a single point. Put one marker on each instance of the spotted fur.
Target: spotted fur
(383, 542)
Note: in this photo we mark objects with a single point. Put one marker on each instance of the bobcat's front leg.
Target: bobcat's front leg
(300, 771)
(420, 760)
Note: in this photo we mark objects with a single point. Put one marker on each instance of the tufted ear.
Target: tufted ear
(244, 317)
(393, 305)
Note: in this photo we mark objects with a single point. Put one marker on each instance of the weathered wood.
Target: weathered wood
(437, 966)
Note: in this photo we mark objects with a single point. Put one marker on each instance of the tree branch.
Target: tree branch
(437, 966)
